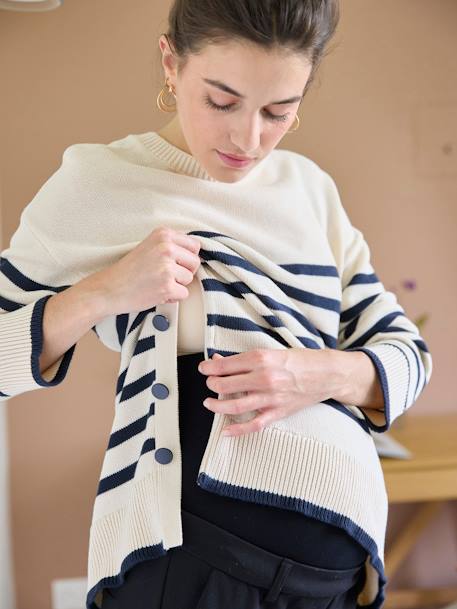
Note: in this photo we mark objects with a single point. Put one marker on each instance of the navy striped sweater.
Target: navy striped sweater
(282, 266)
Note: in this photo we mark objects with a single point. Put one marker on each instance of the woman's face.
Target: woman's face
(249, 83)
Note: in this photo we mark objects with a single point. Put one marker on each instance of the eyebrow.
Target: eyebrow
(227, 89)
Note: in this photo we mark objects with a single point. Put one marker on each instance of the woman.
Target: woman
(237, 73)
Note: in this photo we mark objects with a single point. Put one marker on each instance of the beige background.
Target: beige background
(381, 119)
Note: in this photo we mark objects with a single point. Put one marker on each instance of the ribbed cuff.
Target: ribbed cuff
(21, 334)
(393, 371)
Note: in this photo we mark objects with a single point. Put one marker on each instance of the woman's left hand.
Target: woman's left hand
(278, 382)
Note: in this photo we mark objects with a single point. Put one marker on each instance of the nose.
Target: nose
(245, 134)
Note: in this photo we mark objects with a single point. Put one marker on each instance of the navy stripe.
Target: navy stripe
(357, 309)
(139, 318)
(246, 325)
(339, 406)
(385, 390)
(132, 559)
(4, 395)
(420, 371)
(318, 270)
(350, 328)
(36, 332)
(120, 477)
(144, 344)
(126, 433)
(24, 282)
(125, 474)
(322, 270)
(363, 278)
(298, 294)
(237, 288)
(121, 326)
(322, 302)
(148, 446)
(275, 322)
(136, 387)
(405, 403)
(10, 305)
(380, 326)
(121, 381)
(421, 344)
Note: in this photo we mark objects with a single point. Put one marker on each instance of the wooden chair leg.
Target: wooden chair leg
(408, 537)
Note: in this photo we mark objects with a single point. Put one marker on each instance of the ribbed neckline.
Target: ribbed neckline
(177, 159)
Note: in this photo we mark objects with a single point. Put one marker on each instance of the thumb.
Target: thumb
(215, 355)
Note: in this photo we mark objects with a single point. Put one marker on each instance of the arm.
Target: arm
(374, 324)
(360, 383)
(67, 317)
(40, 321)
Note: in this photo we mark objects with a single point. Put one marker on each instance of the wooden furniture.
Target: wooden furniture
(430, 479)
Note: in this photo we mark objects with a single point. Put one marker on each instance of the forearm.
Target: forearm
(359, 384)
(69, 315)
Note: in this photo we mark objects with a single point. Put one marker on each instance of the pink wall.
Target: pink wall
(381, 119)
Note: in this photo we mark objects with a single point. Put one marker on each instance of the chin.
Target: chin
(230, 178)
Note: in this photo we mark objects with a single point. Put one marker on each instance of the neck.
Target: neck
(173, 134)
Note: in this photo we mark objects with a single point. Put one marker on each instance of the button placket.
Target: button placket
(161, 391)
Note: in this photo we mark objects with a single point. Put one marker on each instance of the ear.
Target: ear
(169, 61)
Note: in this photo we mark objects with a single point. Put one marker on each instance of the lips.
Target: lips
(234, 162)
(238, 158)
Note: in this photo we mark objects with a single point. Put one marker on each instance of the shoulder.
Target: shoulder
(87, 155)
(302, 168)
(316, 183)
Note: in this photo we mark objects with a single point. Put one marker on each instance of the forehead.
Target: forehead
(247, 67)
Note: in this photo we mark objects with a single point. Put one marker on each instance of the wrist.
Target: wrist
(93, 296)
(358, 382)
(344, 365)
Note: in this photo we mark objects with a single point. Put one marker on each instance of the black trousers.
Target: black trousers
(214, 569)
(238, 554)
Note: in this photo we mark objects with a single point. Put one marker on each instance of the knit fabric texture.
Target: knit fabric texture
(281, 266)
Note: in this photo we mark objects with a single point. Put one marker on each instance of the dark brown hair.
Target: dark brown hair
(299, 26)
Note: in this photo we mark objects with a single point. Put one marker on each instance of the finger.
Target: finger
(249, 381)
(191, 242)
(256, 424)
(230, 364)
(247, 403)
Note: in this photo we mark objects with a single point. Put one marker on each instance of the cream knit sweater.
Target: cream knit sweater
(282, 266)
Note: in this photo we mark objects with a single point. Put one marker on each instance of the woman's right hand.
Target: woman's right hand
(155, 272)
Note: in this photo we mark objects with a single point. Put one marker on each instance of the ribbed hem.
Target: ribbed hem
(22, 344)
(133, 533)
(327, 484)
(176, 159)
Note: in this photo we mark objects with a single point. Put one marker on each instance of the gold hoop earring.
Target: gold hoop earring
(161, 103)
(298, 124)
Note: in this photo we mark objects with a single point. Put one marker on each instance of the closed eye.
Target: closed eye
(227, 108)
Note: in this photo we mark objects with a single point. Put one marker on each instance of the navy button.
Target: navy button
(160, 322)
(163, 455)
(159, 390)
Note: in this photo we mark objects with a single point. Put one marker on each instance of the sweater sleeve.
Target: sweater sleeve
(372, 321)
(29, 276)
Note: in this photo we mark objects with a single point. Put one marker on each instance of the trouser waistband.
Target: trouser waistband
(258, 567)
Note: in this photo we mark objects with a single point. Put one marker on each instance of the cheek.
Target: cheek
(205, 122)
(274, 136)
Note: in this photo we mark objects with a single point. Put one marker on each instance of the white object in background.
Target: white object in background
(386, 446)
(27, 6)
(7, 600)
(69, 593)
